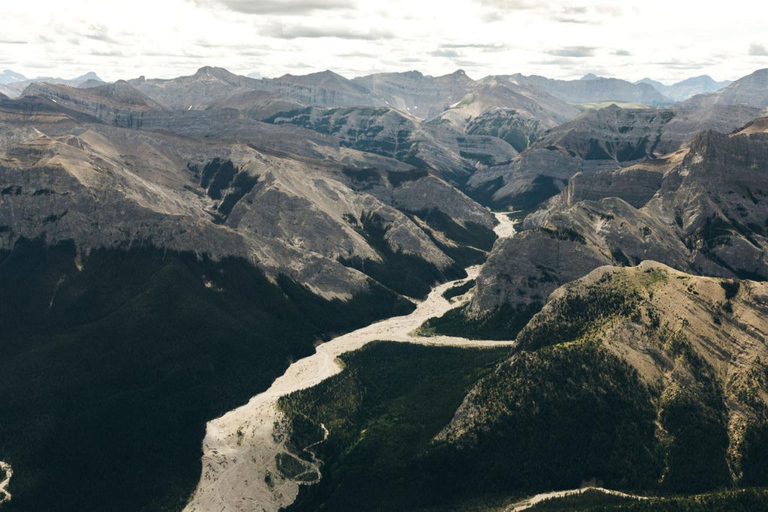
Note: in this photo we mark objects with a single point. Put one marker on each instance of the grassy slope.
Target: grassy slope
(110, 373)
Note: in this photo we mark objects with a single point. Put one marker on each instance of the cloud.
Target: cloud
(758, 50)
(573, 51)
(509, 5)
(99, 33)
(622, 53)
(281, 31)
(12, 41)
(557, 62)
(575, 10)
(685, 65)
(475, 46)
(289, 7)
(564, 19)
(109, 53)
(449, 54)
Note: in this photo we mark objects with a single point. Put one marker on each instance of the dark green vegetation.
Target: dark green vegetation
(223, 181)
(553, 419)
(407, 274)
(518, 131)
(472, 242)
(109, 372)
(458, 290)
(502, 324)
(542, 188)
(749, 500)
(382, 412)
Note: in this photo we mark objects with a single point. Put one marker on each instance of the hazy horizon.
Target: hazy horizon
(558, 39)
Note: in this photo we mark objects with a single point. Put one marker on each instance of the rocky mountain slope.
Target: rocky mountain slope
(643, 379)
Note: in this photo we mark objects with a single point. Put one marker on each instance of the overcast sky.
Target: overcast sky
(665, 39)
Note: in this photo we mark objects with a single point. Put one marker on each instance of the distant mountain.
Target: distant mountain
(324, 89)
(593, 89)
(8, 77)
(687, 88)
(195, 92)
(90, 77)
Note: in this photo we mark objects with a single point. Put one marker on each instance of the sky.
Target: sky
(667, 40)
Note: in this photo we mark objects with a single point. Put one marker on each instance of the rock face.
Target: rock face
(594, 91)
(635, 186)
(687, 88)
(653, 366)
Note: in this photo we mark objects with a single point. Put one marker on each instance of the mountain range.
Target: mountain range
(170, 247)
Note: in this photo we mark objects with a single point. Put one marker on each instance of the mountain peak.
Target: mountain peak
(590, 76)
(88, 76)
(9, 77)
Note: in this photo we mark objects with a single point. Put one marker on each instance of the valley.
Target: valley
(243, 447)
(396, 291)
